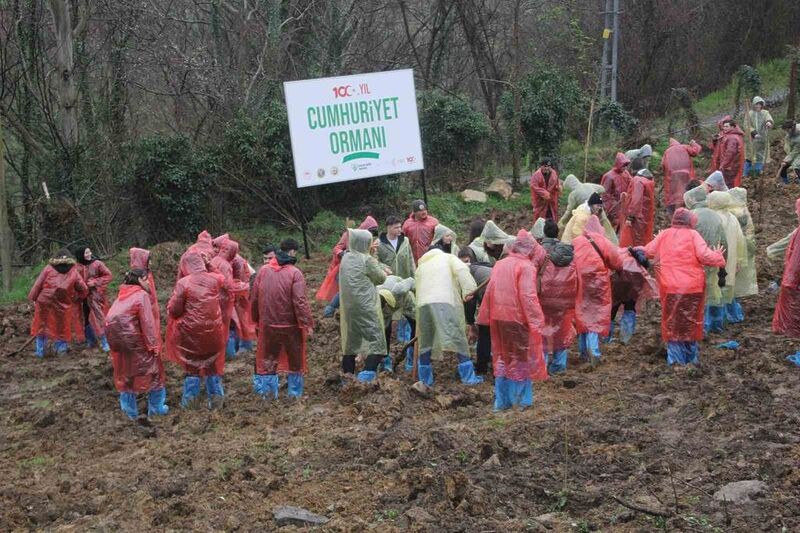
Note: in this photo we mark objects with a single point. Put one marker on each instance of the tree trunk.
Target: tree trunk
(5, 229)
(65, 80)
(790, 106)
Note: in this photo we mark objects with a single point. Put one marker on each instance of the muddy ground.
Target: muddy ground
(386, 459)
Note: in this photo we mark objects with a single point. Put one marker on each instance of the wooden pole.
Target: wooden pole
(5, 229)
(588, 142)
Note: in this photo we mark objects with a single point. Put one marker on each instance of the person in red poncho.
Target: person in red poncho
(419, 228)
(786, 320)
(511, 309)
(615, 182)
(140, 260)
(329, 290)
(545, 190)
(558, 288)
(53, 294)
(678, 171)
(280, 306)
(680, 253)
(97, 277)
(135, 340)
(195, 331)
(595, 258)
(638, 211)
(227, 249)
(731, 153)
(203, 246)
(242, 326)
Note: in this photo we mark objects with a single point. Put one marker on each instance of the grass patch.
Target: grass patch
(38, 461)
(41, 404)
(21, 283)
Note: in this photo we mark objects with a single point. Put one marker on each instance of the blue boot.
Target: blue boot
(387, 365)
(191, 390)
(366, 376)
(466, 370)
(558, 363)
(627, 326)
(127, 402)
(425, 374)
(266, 385)
(230, 347)
(296, 382)
(156, 402)
(104, 344)
(215, 392)
(502, 394)
(403, 330)
(41, 345)
(246, 346)
(716, 318)
(61, 347)
(521, 393)
(589, 344)
(682, 353)
(409, 365)
(332, 306)
(610, 338)
(91, 340)
(734, 312)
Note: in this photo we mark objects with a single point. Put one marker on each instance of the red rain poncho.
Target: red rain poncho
(284, 318)
(97, 277)
(680, 254)
(134, 338)
(245, 327)
(544, 195)
(594, 261)
(419, 234)
(678, 170)
(615, 182)
(715, 144)
(731, 157)
(217, 242)
(639, 206)
(330, 285)
(196, 335)
(511, 309)
(203, 246)
(632, 283)
(54, 294)
(140, 258)
(786, 320)
(558, 288)
(228, 249)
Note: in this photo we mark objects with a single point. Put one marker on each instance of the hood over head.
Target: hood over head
(228, 249)
(204, 236)
(620, 161)
(194, 263)
(683, 218)
(739, 196)
(571, 182)
(524, 244)
(62, 261)
(719, 200)
(440, 231)
(359, 240)
(674, 142)
(716, 181)
(217, 241)
(368, 223)
(694, 197)
(139, 258)
(538, 229)
(758, 100)
(646, 151)
(494, 235)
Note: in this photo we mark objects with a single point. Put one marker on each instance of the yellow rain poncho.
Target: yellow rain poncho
(361, 321)
(777, 250)
(709, 226)
(439, 232)
(398, 298)
(493, 236)
(580, 193)
(442, 281)
(746, 278)
(735, 247)
(576, 224)
(400, 261)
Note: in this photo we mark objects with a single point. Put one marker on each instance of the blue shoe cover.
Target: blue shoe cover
(730, 345)
(295, 383)
(681, 352)
(714, 319)
(403, 330)
(466, 371)
(409, 366)
(230, 347)
(502, 399)
(127, 402)
(266, 385)
(509, 393)
(41, 345)
(558, 363)
(366, 376)
(91, 340)
(387, 365)
(425, 374)
(627, 326)
(61, 347)
(794, 358)
(104, 344)
(246, 346)
(191, 390)
(734, 312)
(610, 338)
(214, 386)
(156, 402)
(589, 344)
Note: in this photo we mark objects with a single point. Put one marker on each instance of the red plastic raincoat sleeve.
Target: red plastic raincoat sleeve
(538, 187)
(301, 307)
(102, 277)
(652, 247)
(150, 330)
(33, 295)
(254, 296)
(176, 304)
(81, 289)
(529, 298)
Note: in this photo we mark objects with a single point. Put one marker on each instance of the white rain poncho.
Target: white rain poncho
(493, 236)
(746, 278)
(716, 182)
(361, 322)
(398, 297)
(538, 229)
(442, 281)
(439, 233)
(709, 226)
(577, 222)
(735, 247)
(580, 193)
(777, 250)
(401, 261)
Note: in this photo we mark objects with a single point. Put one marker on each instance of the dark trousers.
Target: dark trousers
(484, 350)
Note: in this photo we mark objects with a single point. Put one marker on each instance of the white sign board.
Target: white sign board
(353, 127)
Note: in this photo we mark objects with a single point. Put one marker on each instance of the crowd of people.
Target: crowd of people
(518, 301)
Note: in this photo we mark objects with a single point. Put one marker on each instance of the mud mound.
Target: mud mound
(164, 259)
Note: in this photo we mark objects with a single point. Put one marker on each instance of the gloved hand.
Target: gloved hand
(753, 134)
(721, 275)
(639, 255)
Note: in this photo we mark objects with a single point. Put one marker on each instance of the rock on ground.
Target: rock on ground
(471, 195)
(285, 514)
(500, 187)
(741, 491)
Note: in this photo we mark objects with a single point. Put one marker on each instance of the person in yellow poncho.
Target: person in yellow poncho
(746, 278)
(736, 247)
(580, 216)
(445, 239)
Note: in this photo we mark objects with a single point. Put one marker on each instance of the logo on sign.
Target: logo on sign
(320, 172)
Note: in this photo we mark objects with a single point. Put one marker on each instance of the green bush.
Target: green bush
(613, 116)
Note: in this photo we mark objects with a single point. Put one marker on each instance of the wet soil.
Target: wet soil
(386, 458)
